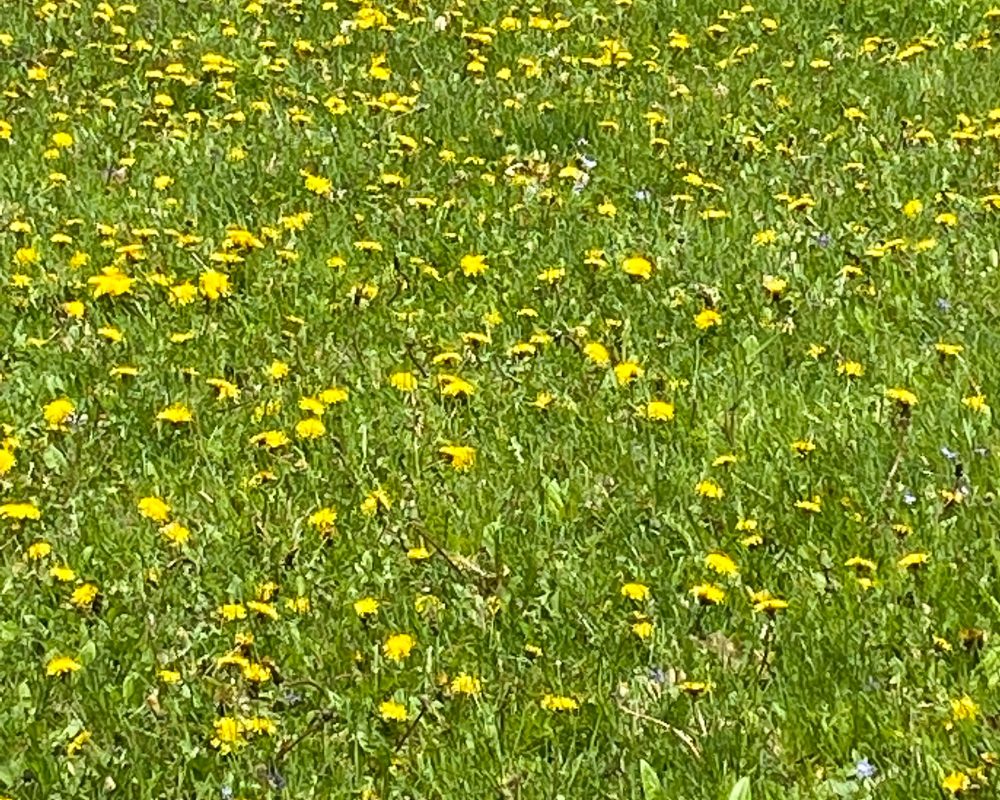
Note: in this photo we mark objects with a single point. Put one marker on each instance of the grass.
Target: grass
(485, 399)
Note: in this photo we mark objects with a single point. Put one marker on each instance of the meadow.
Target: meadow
(505, 400)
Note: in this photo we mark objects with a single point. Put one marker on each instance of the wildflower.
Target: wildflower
(84, 595)
(864, 769)
(323, 519)
(169, 677)
(75, 745)
(635, 591)
(557, 703)
(597, 353)
(912, 561)
(462, 458)
(466, 684)
(403, 381)
(228, 734)
(721, 563)
(813, 506)
(271, 439)
(391, 711)
(57, 412)
(19, 511)
(111, 282)
(278, 370)
(627, 371)
(256, 673)
(774, 286)
(318, 185)
(638, 267)
(956, 783)
(708, 594)
(764, 602)
(964, 708)
(948, 350)
(311, 428)
(902, 397)
(38, 550)
(453, 386)
(398, 646)
(175, 533)
(366, 607)
(850, 369)
(154, 508)
(213, 284)
(62, 665)
(177, 414)
(63, 574)
(225, 390)
(707, 318)
(912, 208)
(643, 629)
(473, 265)
(976, 402)
(73, 309)
(658, 410)
(230, 612)
(709, 489)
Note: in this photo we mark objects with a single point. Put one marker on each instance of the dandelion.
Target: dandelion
(176, 414)
(964, 708)
(635, 591)
(904, 398)
(229, 734)
(77, 743)
(813, 506)
(774, 286)
(709, 489)
(323, 519)
(627, 371)
(956, 783)
(57, 413)
(111, 282)
(391, 711)
(597, 353)
(398, 646)
(708, 594)
(473, 265)
(764, 602)
(559, 703)
(154, 508)
(913, 561)
(976, 402)
(19, 511)
(638, 267)
(465, 684)
(707, 318)
(403, 381)
(366, 607)
(84, 595)
(318, 185)
(658, 411)
(462, 458)
(721, 563)
(850, 369)
(62, 665)
(311, 428)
